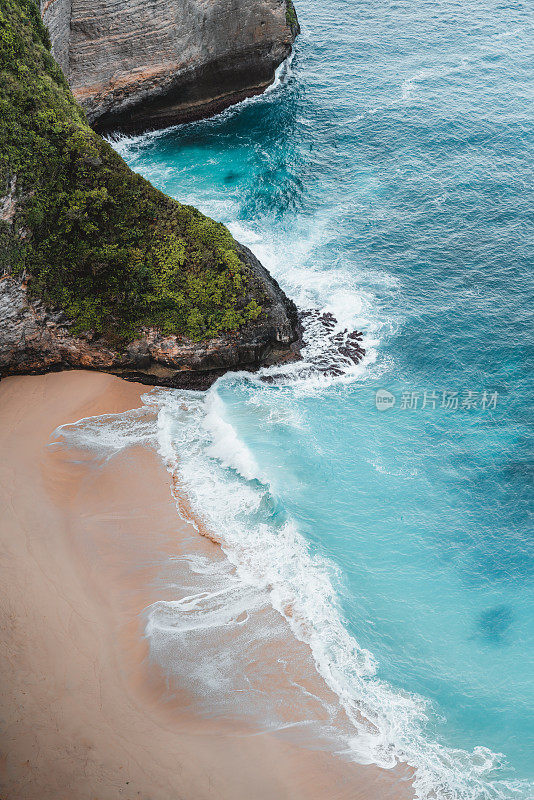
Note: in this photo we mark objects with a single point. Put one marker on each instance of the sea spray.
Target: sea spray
(271, 555)
(394, 165)
(271, 565)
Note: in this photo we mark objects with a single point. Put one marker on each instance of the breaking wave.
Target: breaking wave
(226, 610)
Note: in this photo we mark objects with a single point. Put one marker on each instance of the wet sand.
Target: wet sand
(85, 715)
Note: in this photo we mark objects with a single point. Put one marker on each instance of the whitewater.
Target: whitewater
(385, 181)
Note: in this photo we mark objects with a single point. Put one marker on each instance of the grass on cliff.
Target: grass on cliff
(291, 14)
(98, 240)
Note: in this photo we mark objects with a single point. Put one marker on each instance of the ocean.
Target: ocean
(386, 181)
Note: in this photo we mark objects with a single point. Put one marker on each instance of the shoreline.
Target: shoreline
(86, 713)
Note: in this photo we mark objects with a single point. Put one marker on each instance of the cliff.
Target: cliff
(35, 338)
(134, 64)
(99, 269)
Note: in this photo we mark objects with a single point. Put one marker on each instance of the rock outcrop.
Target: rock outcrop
(100, 270)
(134, 64)
(35, 339)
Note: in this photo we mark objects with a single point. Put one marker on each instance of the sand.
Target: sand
(83, 713)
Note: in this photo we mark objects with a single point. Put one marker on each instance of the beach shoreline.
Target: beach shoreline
(85, 713)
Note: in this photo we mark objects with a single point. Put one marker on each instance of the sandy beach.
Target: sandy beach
(85, 715)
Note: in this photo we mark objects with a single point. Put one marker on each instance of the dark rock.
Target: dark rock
(35, 339)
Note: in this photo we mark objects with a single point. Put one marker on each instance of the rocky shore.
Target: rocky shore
(36, 339)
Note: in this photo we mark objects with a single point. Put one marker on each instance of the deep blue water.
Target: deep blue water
(388, 180)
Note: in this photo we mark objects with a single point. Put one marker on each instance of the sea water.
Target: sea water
(385, 180)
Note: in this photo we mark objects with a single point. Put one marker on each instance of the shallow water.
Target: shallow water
(385, 179)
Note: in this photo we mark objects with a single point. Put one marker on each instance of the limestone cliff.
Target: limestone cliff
(99, 269)
(137, 64)
(36, 338)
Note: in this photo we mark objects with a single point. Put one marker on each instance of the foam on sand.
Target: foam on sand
(228, 613)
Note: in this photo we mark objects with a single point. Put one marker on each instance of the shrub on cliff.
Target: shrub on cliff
(291, 17)
(97, 240)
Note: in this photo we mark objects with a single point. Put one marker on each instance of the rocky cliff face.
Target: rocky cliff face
(35, 338)
(139, 64)
(98, 269)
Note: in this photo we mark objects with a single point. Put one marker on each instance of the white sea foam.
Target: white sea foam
(225, 444)
(346, 294)
(412, 84)
(274, 558)
(128, 146)
(220, 605)
(269, 561)
(108, 434)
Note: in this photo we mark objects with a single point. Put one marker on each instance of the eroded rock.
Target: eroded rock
(135, 65)
(36, 339)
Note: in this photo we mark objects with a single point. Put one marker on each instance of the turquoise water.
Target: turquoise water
(387, 179)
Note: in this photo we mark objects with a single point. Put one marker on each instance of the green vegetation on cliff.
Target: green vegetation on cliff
(98, 240)
(291, 15)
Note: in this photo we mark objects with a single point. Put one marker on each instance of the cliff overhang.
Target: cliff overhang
(134, 66)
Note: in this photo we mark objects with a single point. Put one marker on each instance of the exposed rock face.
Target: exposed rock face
(138, 64)
(104, 250)
(35, 339)
(57, 15)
